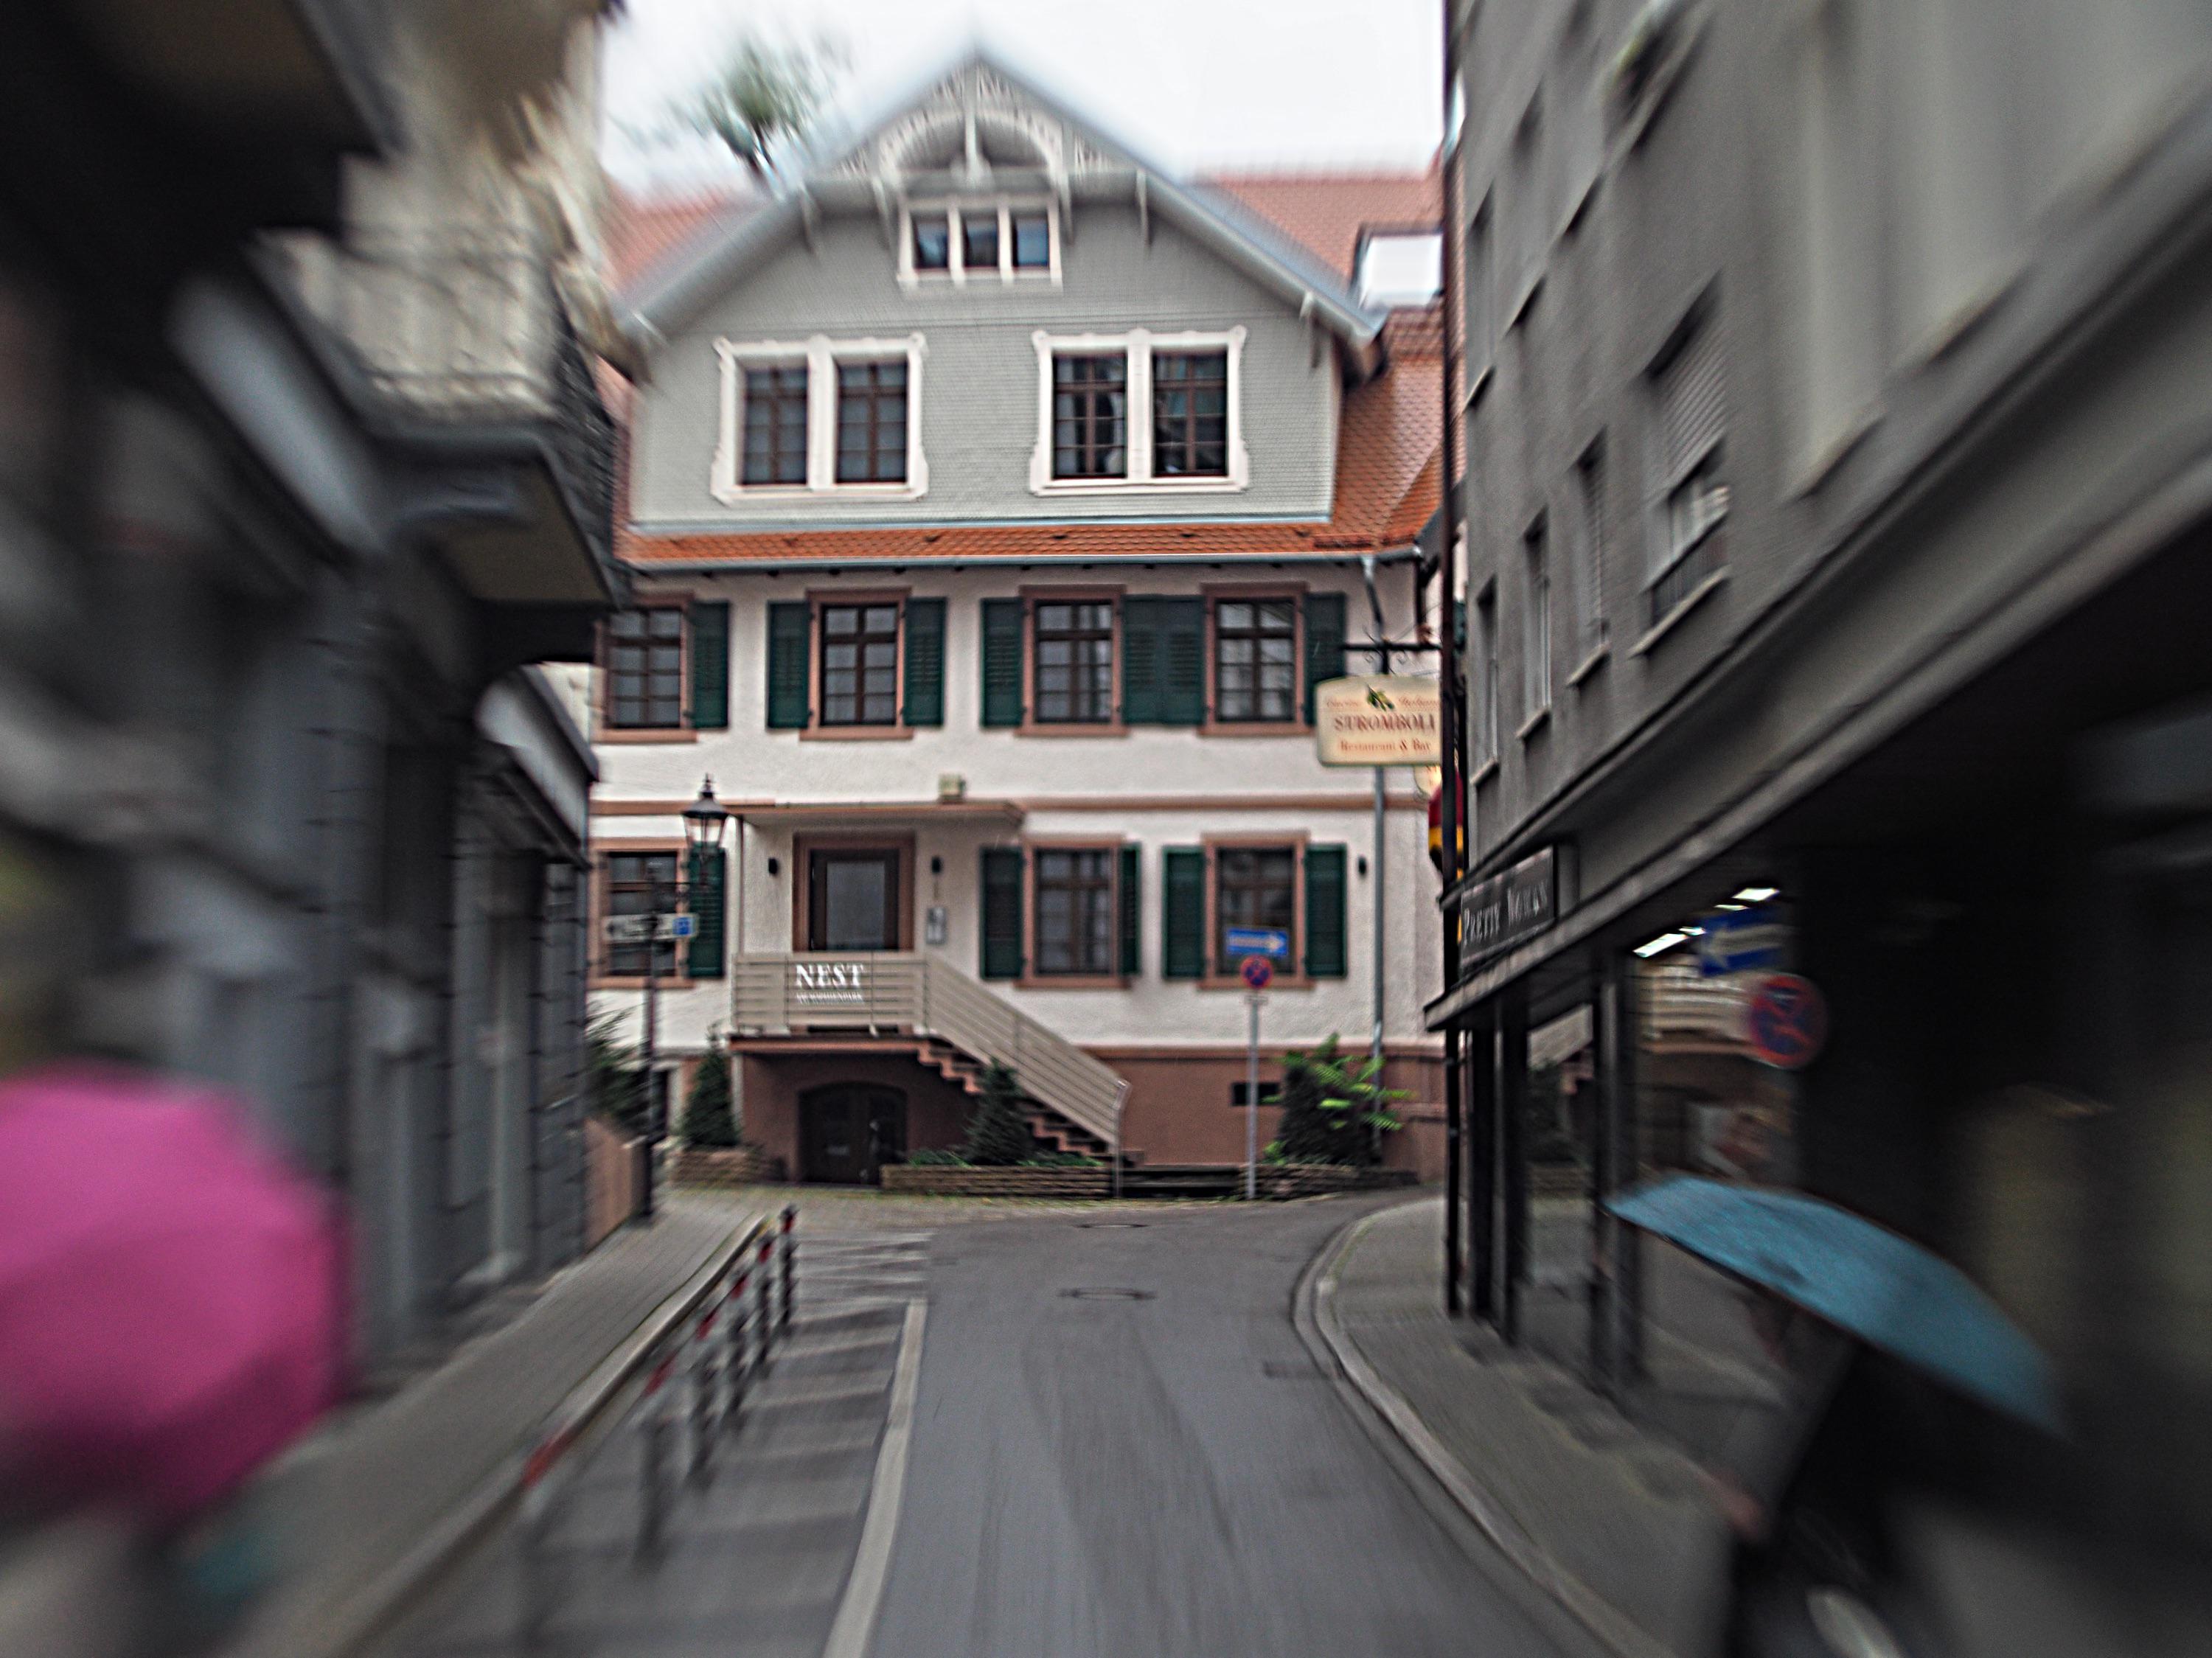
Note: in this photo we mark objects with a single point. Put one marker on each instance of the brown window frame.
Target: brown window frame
(1034, 850)
(1104, 889)
(1217, 974)
(1258, 722)
(604, 973)
(1187, 440)
(875, 395)
(823, 641)
(648, 730)
(773, 401)
(1090, 425)
(1109, 712)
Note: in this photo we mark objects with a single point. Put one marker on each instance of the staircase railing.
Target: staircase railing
(917, 995)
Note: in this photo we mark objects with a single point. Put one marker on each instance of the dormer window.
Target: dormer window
(974, 241)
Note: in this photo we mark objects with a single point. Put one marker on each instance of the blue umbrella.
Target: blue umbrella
(1868, 1282)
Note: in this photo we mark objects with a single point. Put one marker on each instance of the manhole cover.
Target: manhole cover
(1109, 1225)
(1108, 1295)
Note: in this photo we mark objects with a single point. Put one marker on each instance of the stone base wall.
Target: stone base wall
(1313, 1180)
(941, 1181)
(741, 1165)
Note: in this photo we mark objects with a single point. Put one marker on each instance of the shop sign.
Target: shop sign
(1506, 909)
(1378, 720)
(823, 984)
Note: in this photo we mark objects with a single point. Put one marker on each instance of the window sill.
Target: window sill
(1666, 624)
(914, 281)
(1534, 722)
(1177, 486)
(1590, 664)
(632, 734)
(1255, 728)
(1483, 773)
(1071, 728)
(636, 982)
(1284, 981)
(788, 494)
(1070, 981)
(857, 734)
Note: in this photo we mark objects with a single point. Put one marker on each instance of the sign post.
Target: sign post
(1258, 972)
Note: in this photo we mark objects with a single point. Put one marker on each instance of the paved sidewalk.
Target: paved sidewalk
(350, 1507)
(1612, 1517)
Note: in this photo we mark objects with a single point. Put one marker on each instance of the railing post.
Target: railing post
(765, 1318)
(537, 1577)
(790, 1259)
(703, 1380)
(653, 1471)
(733, 1362)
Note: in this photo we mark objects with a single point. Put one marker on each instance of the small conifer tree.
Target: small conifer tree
(708, 1121)
(998, 1127)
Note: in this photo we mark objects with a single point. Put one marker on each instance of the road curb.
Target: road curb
(1388, 1410)
(349, 1626)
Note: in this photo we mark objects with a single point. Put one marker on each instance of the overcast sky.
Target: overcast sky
(1188, 84)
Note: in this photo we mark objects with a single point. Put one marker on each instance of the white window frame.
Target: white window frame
(1138, 345)
(1005, 272)
(821, 354)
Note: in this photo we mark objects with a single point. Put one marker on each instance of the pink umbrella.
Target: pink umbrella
(169, 1307)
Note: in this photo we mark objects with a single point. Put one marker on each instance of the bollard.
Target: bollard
(534, 1536)
(764, 1319)
(733, 1361)
(703, 1385)
(790, 1259)
(653, 1492)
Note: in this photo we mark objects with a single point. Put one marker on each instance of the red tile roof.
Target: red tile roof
(1325, 212)
(644, 232)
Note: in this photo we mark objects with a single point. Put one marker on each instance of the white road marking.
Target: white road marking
(864, 1590)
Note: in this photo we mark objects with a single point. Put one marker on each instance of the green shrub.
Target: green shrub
(708, 1121)
(1334, 1108)
(615, 1083)
(931, 1156)
(999, 1128)
(1060, 1160)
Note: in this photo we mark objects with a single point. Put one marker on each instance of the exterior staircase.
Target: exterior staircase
(956, 1027)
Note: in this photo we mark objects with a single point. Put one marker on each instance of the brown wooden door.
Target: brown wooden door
(852, 899)
(851, 1131)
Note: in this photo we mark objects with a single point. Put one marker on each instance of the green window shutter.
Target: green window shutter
(1182, 676)
(710, 663)
(1326, 947)
(1324, 642)
(1002, 661)
(1144, 650)
(925, 662)
(1182, 913)
(709, 875)
(790, 638)
(1131, 961)
(1002, 911)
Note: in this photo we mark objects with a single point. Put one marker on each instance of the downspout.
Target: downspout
(1450, 692)
(1381, 905)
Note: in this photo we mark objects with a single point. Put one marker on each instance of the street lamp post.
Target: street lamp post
(704, 820)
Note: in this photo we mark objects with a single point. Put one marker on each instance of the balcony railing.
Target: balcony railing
(917, 995)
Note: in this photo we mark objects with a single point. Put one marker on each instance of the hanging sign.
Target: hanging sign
(1787, 1020)
(1378, 720)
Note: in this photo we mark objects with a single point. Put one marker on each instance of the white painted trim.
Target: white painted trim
(1138, 344)
(821, 354)
(854, 1625)
(956, 272)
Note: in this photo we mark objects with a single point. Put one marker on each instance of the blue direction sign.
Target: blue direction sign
(1736, 941)
(1258, 973)
(1272, 942)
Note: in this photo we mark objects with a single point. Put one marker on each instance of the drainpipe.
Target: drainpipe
(1453, 804)
(1382, 908)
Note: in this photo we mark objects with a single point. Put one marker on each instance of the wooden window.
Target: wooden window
(1536, 623)
(1032, 241)
(634, 879)
(933, 242)
(1074, 667)
(645, 670)
(1077, 917)
(1190, 414)
(1253, 887)
(775, 424)
(1255, 666)
(979, 239)
(871, 419)
(1691, 411)
(860, 665)
(1090, 417)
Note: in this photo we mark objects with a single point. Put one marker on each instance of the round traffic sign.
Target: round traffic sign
(1788, 1021)
(1258, 972)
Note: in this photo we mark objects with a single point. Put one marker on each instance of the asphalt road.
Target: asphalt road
(1122, 1446)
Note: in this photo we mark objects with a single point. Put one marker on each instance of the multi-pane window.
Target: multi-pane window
(860, 665)
(1253, 887)
(645, 670)
(1075, 671)
(1691, 419)
(933, 242)
(1090, 417)
(1032, 241)
(1076, 923)
(1589, 550)
(1536, 625)
(775, 424)
(1486, 668)
(872, 417)
(1256, 667)
(638, 882)
(979, 240)
(1190, 414)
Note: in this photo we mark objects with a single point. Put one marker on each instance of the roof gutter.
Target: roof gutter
(1013, 561)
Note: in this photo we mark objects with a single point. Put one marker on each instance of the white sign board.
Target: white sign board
(636, 929)
(1378, 720)
(829, 984)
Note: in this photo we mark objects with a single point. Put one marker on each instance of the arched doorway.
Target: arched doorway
(849, 1130)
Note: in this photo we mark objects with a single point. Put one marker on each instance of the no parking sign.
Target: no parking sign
(1787, 1021)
